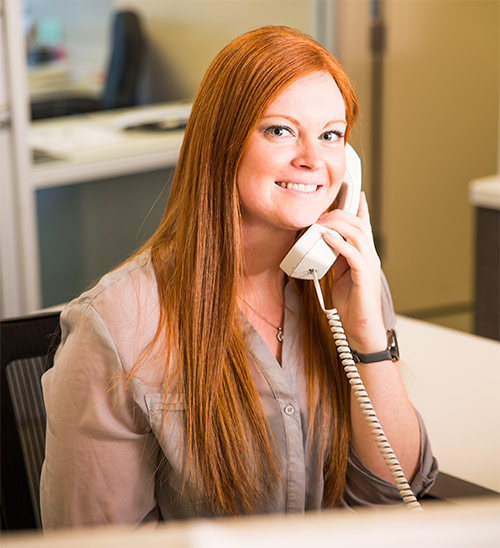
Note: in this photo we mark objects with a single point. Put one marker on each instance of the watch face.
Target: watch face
(392, 342)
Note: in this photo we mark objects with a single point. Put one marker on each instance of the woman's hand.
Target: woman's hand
(356, 289)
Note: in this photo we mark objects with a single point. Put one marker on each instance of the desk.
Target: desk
(94, 146)
(453, 379)
(458, 525)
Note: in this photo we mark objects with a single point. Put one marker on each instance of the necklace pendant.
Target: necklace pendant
(279, 335)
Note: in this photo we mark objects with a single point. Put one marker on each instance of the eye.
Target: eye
(278, 131)
(332, 136)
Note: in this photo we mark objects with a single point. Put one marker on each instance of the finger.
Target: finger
(361, 222)
(340, 267)
(358, 235)
(362, 219)
(349, 252)
(361, 271)
(341, 214)
(323, 217)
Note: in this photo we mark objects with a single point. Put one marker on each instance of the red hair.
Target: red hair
(197, 256)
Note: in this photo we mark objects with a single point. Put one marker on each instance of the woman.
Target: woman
(195, 379)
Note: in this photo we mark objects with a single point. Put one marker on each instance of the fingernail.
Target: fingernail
(323, 216)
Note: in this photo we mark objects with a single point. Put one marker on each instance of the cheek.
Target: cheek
(247, 182)
(246, 174)
(246, 166)
(249, 159)
(339, 164)
(260, 161)
(337, 171)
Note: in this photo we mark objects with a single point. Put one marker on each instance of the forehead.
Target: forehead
(316, 94)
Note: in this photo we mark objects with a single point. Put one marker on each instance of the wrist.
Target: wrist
(374, 343)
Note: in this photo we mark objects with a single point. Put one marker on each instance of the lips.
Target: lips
(298, 187)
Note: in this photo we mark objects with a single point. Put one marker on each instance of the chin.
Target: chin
(304, 219)
(300, 224)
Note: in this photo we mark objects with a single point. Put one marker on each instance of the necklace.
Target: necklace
(280, 333)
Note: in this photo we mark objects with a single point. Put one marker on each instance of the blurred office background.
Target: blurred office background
(78, 197)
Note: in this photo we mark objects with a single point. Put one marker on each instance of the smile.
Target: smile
(299, 187)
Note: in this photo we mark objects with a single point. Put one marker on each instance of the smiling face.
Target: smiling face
(294, 161)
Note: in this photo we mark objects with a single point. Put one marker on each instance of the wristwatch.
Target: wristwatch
(390, 353)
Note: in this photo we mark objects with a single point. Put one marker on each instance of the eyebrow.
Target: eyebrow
(296, 122)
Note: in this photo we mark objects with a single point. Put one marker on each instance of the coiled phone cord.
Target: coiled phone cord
(363, 399)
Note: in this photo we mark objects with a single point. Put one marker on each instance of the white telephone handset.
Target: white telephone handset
(310, 259)
(310, 251)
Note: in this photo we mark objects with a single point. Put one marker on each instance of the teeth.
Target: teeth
(299, 187)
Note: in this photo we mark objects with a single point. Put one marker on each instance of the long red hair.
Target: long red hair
(197, 257)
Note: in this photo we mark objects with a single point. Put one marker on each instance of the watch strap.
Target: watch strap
(390, 353)
(374, 357)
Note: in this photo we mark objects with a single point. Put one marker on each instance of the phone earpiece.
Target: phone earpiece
(352, 180)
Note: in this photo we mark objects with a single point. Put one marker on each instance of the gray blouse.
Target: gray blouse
(107, 440)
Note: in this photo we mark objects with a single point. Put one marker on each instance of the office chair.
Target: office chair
(127, 49)
(27, 347)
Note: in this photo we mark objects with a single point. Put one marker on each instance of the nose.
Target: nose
(308, 155)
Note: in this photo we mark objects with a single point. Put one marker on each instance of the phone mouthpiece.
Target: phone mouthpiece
(310, 254)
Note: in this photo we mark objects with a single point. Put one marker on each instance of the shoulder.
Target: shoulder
(121, 286)
(123, 304)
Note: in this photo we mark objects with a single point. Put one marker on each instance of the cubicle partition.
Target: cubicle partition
(86, 229)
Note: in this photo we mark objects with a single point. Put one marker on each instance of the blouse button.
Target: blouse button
(289, 409)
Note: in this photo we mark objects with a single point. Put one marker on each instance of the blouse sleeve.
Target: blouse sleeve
(100, 455)
(364, 488)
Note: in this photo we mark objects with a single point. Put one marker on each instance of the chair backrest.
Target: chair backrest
(125, 63)
(24, 381)
(27, 346)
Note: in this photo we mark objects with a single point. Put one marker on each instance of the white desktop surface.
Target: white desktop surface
(93, 146)
(453, 379)
(459, 525)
